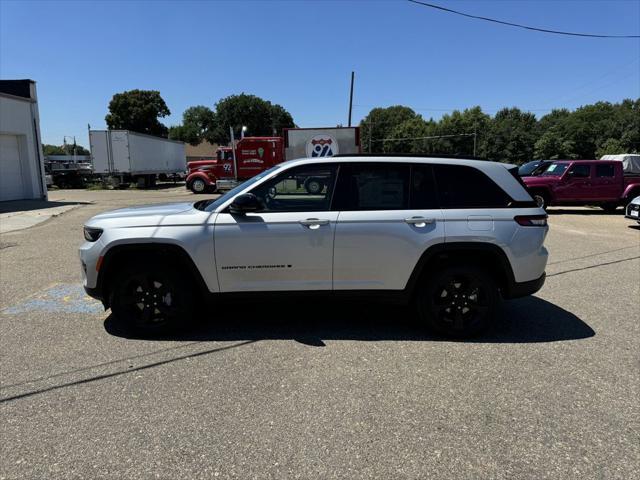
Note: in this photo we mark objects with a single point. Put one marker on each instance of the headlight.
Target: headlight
(92, 234)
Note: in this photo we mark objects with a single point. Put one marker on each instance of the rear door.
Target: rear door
(388, 217)
(605, 184)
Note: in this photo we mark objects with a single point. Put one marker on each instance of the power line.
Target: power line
(545, 30)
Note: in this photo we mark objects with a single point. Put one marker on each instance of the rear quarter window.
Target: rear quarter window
(467, 187)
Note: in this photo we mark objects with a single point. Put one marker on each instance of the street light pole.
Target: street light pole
(351, 97)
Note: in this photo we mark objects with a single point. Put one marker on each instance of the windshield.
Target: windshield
(528, 168)
(211, 205)
(555, 170)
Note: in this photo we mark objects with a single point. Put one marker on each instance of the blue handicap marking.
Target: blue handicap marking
(61, 298)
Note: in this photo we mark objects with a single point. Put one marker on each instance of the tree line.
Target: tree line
(140, 111)
(511, 135)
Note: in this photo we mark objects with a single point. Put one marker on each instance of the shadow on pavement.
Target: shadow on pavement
(526, 320)
(28, 205)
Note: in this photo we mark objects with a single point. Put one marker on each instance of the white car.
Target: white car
(633, 209)
(449, 235)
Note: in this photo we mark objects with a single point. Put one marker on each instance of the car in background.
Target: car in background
(536, 167)
(584, 182)
(633, 210)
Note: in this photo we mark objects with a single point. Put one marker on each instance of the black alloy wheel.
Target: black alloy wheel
(152, 300)
(459, 301)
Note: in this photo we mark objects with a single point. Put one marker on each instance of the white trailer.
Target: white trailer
(130, 156)
(320, 142)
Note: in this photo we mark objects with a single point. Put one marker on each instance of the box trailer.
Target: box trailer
(320, 142)
(130, 156)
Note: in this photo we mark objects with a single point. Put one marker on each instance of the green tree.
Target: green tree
(138, 110)
(198, 124)
(260, 117)
(408, 135)
(379, 124)
(552, 145)
(610, 146)
(64, 150)
(511, 136)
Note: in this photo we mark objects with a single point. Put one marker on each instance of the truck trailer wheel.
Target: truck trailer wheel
(198, 186)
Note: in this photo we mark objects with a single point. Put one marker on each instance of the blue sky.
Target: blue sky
(300, 54)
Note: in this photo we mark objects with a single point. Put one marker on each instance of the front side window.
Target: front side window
(605, 171)
(301, 189)
(374, 186)
(467, 187)
(580, 171)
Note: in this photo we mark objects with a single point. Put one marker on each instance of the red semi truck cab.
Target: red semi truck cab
(253, 155)
(584, 182)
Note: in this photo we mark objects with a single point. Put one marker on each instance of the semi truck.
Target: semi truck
(124, 157)
(253, 155)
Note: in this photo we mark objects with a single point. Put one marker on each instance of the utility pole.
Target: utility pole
(233, 153)
(475, 136)
(351, 97)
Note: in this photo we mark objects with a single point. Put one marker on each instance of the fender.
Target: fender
(632, 191)
(118, 254)
(488, 255)
(206, 178)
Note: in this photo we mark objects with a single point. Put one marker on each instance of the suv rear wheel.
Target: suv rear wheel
(458, 301)
(152, 300)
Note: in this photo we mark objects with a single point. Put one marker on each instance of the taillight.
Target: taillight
(531, 220)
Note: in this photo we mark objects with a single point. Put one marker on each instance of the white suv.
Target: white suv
(452, 236)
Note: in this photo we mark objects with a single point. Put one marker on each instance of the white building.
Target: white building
(21, 159)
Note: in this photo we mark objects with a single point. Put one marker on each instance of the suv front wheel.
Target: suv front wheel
(152, 300)
(458, 301)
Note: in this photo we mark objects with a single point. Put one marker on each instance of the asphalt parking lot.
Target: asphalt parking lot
(345, 390)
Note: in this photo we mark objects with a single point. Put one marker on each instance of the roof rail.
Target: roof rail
(412, 155)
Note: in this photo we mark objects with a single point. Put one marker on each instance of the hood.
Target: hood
(162, 209)
(151, 215)
(540, 180)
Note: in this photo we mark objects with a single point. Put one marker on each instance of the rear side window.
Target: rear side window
(378, 186)
(605, 171)
(467, 187)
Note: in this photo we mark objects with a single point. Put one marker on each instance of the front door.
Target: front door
(575, 184)
(286, 246)
(388, 217)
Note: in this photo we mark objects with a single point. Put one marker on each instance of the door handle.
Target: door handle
(419, 221)
(314, 223)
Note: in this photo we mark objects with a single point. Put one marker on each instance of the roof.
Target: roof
(17, 88)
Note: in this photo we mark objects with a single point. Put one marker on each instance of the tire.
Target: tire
(458, 301)
(609, 207)
(542, 199)
(313, 186)
(170, 299)
(198, 186)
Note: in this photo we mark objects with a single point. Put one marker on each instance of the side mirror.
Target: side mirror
(247, 202)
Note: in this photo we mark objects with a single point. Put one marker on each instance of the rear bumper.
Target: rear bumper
(522, 289)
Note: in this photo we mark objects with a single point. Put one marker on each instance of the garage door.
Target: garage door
(11, 182)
